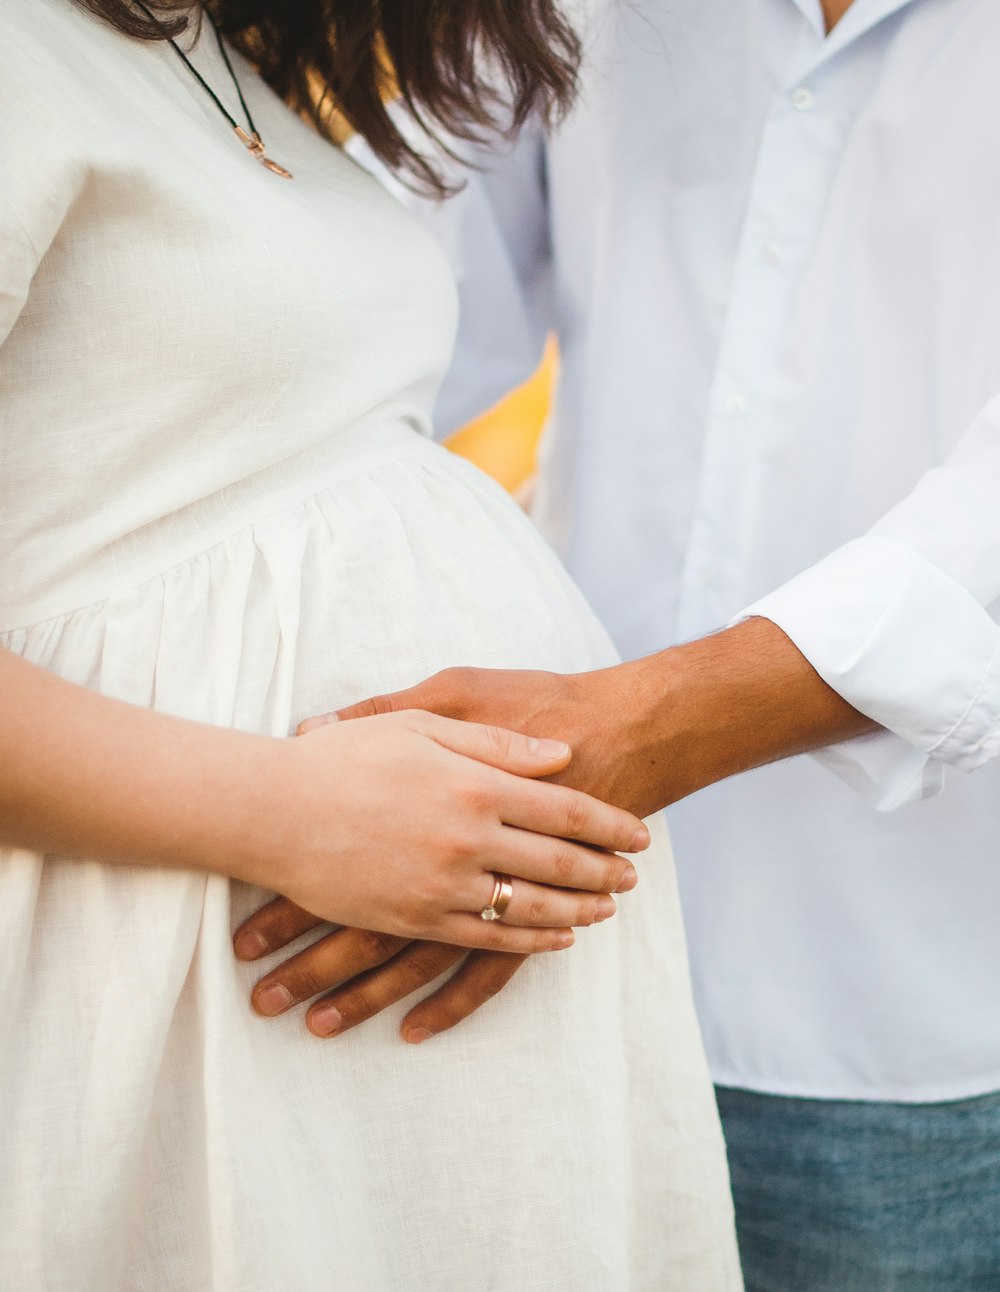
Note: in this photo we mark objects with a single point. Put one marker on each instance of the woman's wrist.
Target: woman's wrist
(85, 775)
(251, 823)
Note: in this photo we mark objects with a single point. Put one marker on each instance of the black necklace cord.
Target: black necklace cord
(251, 139)
(229, 68)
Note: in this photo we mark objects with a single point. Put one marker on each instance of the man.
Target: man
(769, 242)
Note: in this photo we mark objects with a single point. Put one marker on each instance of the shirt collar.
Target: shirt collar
(862, 16)
(812, 11)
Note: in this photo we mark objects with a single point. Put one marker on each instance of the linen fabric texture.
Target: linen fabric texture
(218, 498)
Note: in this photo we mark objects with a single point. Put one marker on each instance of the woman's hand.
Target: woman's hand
(397, 824)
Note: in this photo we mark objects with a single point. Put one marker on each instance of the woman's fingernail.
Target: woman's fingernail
(414, 1035)
(248, 946)
(564, 940)
(640, 840)
(310, 724)
(325, 1021)
(273, 999)
(605, 909)
(629, 880)
(548, 748)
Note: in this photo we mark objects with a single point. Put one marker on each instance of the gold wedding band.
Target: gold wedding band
(503, 891)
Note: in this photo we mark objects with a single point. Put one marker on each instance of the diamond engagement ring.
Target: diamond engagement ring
(503, 891)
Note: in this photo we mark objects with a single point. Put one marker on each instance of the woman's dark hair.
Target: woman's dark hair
(462, 67)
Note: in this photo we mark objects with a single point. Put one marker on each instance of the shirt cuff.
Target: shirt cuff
(907, 645)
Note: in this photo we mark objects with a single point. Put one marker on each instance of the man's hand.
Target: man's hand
(643, 735)
(647, 733)
(370, 972)
(603, 716)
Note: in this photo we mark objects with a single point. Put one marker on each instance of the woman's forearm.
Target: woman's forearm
(84, 775)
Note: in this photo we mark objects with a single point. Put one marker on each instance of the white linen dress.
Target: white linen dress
(218, 499)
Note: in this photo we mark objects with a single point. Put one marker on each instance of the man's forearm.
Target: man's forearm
(723, 704)
(649, 732)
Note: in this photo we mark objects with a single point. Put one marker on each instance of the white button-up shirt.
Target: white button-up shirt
(772, 258)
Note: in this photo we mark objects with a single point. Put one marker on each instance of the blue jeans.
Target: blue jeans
(834, 1196)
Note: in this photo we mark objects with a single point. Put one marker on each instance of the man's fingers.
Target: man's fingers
(367, 995)
(271, 928)
(483, 974)
(450, 693)
(369, 708)
(333, 959)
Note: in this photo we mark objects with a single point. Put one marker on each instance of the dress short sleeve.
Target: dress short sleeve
(42, 172)
(17, 266)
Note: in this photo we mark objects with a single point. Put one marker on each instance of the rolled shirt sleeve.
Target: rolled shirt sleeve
(902, 623)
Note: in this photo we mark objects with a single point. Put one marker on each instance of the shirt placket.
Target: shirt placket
(800, 145)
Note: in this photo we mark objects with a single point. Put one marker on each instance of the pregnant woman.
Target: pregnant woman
(220, 512)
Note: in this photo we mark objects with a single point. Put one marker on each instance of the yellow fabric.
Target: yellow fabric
(503, 442)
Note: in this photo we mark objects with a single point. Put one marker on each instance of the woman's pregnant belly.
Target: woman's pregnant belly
(382, 568)
(175, 1098)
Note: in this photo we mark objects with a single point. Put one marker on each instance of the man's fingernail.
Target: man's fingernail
(605, 909)
(640, 840)
(629, 880)
(414, 1035)
(564, 940)
(548, 748)
(273, 999)
(248, 946)
(326, 1020)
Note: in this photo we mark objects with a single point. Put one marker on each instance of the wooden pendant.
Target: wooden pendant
(256, 146)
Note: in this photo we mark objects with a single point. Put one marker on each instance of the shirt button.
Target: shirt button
(736, 405)
(803, 99)
(770, 254)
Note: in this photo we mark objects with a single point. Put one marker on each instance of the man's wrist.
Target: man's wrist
(735, 700)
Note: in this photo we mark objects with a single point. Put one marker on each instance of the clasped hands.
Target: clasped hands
(355, 973)
(642, 735)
